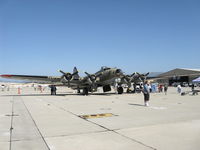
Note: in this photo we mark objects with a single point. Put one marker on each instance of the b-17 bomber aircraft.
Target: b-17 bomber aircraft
(105, 77)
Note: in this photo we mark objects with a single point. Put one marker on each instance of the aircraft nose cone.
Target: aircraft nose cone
(118, 71)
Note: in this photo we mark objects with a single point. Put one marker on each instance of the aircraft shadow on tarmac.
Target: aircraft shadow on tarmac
(38, 95)
(136, 105)
(67, 94)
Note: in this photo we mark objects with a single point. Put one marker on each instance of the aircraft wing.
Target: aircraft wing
(41, 79)
(49, 80)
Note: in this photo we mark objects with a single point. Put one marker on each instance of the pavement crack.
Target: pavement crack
(134, 140)
(11, 125)
(36, 125)
(106, 129)
(80, 117)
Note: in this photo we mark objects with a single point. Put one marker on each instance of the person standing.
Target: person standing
(165, 89)
(192, 87)
(146, 92)
(160, 88)
(179, 89)
(53, 89)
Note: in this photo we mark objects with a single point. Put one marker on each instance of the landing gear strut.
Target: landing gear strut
(128, 90)
(134, 88)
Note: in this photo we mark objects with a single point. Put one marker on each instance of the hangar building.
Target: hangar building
(178, 75)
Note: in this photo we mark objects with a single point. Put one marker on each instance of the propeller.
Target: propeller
(133, 78)
(92, 79)
(67, 76)
(126, 78)
(143, 77)
(129, 78)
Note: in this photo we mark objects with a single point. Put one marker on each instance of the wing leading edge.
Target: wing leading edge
(44, 79)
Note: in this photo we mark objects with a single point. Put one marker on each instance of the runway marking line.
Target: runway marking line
(96, 116)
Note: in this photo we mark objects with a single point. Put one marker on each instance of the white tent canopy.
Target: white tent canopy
(196, 80)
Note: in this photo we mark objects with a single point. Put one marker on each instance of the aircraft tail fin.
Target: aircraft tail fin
(76, 76)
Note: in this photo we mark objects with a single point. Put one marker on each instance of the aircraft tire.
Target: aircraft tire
(120, 90)
(85, 91)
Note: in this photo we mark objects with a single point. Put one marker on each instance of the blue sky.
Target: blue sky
(41, 36)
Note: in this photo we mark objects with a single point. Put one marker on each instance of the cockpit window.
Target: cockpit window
(104, 68)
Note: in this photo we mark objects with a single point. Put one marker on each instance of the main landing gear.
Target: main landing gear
(120, 90)
(85, 91)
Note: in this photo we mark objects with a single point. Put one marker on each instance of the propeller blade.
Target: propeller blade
(66, 75)
(75, 73)
(125, 79)
(137, 73)
(92, 80)
(62, 72)
(133, 74)
(87, 74)
(91, 76)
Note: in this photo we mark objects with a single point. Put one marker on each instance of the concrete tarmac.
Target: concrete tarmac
(35, 120)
